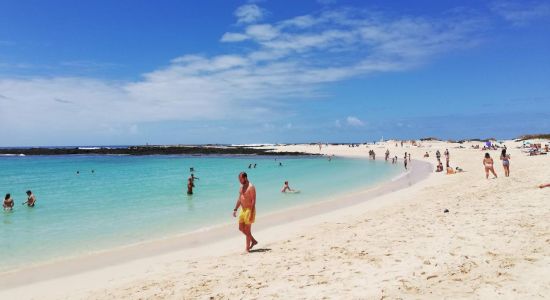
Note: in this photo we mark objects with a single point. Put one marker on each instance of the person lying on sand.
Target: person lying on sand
(544, 185)
(450, 170)
(286, 188)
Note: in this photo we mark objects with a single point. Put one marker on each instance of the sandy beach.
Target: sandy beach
(494, 241)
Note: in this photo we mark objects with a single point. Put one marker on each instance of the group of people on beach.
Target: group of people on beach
(9, 203)
(488, 163)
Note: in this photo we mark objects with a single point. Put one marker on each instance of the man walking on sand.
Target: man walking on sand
(247, 202)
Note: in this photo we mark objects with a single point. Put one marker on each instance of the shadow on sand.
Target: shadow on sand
(260, 250)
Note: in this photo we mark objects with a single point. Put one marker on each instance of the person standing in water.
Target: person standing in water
(31, 200)
(247, 203)
(8, 202)
(488, 164)
(286, 188)
(505, 162)
(190, 186)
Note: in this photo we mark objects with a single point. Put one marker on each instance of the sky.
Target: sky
(193, 72)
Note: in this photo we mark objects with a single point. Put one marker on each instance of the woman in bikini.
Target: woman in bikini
(505, 162)
(8, 203)
(488, 163)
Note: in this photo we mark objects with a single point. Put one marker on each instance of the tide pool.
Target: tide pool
(129, 199)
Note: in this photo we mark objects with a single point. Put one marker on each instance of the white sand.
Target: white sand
(494, 242)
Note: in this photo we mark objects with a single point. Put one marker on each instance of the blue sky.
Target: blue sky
(135, 72)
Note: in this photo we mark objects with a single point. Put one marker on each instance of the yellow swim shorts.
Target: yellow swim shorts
(247, 216)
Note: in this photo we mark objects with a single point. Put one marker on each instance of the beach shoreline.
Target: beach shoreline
(204, 236)
(492, 240)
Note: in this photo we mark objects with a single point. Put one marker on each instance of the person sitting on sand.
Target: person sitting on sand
(458, 170)
(505, 162)
(8, 202)
(426, 154)
(286, 188)
(544, 185)
(439, 167)
(31, 200)
(488, 164)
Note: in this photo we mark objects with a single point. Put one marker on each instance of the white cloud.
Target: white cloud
(234, 37)
(248, 13)
(354, 121)
(521, 13)
(262, 32)
(287, 60)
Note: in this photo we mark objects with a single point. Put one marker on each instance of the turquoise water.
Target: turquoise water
(128, 199)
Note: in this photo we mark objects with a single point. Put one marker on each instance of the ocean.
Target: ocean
(119, 200)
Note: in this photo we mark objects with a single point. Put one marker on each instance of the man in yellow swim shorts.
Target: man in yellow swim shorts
(247, 202)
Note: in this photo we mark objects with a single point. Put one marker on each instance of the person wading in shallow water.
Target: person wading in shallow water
(247, 203)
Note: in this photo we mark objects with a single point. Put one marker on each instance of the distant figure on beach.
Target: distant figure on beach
(450, 170)
(31, 199)
(505, 162)
(439, 167)
(437, 155)
(426, 154)
(286, 188)
(190, 186)
(8, 202)
(247, 203)
(409, 157)
(545, 185)
(387, 154)
(488, 164)
(405, 160)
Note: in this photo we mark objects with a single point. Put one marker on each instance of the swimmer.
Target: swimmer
(286, 188)
(8, 202)
(190, 186)
(31, 199)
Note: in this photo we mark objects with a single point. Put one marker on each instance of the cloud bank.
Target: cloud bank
(286, 60)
